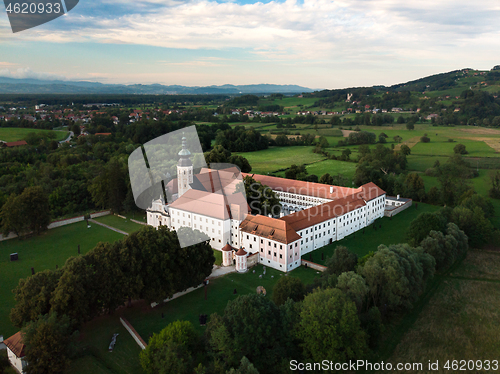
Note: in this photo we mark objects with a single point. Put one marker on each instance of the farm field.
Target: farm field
(44, 252)
(275, 158)
(333, 167)
(463, 310)
(12, 134)
(441, 147)
(481, 185)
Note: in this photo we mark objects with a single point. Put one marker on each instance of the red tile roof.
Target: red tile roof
(16, 144)
(303, 188)
(371, 191)
(270, 228)
(241, 252)
(15, 344)
(320, 213)
(228, 248)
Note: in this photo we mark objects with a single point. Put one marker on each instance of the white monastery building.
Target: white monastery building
(313, 214)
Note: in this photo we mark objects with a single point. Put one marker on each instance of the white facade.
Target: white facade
(18, 362)
(218, 230)
(184, 179)
(272, 253)
(375, 209)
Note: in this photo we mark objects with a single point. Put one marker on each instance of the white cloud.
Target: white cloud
(309, 30)
(369, 39)
(25, 73)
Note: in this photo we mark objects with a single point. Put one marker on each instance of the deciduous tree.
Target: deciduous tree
(172, 350)
(329, 327)
(47, 343)
(288, 287)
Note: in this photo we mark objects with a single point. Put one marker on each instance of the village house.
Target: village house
(16, 352)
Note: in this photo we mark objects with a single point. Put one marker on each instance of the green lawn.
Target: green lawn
(221, 290)
(45, 252)
(97, 334)
(393, 231)
(12, 134)
(422, 163)
(94, 356)
(218, 257)
(120, 223)
(333, 167)
(275, 158)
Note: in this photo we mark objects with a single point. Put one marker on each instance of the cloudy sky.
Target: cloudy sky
(313, 43)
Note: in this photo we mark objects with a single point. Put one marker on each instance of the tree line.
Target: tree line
(340, 316)
(148, 264)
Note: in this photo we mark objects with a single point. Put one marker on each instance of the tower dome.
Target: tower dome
(184, 155)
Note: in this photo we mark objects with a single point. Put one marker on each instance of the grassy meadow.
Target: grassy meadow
(275, 158)
(52, 248)
(12, 134)
(460, 321)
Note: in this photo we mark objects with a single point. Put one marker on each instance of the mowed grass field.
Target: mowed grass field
(12, 134)
(44, 252)
(97, 334)
(120, 223)
(393, 231)
(461, 320)
(220, 291)
(93, 355)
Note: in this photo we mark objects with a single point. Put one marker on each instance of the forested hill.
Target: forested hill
(450, 82)
(35, 86)
(472, 92)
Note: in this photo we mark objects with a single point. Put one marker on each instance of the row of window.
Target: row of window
(268, 243)
(194, 217)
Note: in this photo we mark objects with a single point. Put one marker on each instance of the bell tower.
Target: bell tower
(184, 170)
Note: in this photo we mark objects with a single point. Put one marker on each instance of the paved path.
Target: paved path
(108, 227)
(71, 134)
(219, 271)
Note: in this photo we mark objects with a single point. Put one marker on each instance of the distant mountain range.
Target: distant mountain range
(36, 86)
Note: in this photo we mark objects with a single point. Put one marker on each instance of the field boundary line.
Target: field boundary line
(109, 227)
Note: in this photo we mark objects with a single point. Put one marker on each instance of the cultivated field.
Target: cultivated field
(275, 158)
(460, 322)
